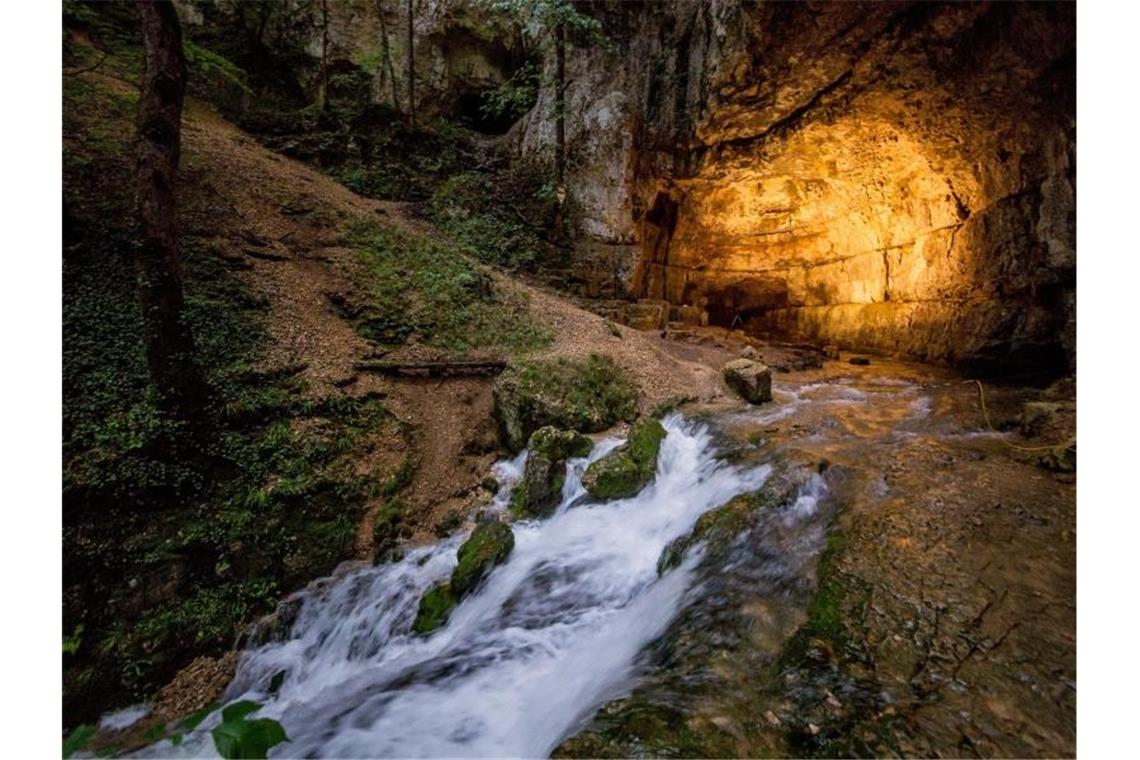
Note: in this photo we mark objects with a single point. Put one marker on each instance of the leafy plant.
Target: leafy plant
(238, 737)
(78, 739)
(514, 97)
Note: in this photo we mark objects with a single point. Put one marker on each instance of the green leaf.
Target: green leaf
(239, 710)
(227, 740)
(78, 739)
(248, 739)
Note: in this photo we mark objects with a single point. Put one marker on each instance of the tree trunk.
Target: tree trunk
(411, 69)
(560, 105)
(169, 344)
(323, 83)
(386, 49)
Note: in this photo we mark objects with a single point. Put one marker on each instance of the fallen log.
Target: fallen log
(484, 367)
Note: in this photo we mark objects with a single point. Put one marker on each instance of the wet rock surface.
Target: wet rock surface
(926, 608)
(628, 468)
(541, 487)
(489, 546)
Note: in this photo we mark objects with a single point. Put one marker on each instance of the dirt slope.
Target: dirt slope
(285, 223)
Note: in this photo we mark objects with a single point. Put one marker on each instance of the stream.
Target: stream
(579, 617)
(552, 634)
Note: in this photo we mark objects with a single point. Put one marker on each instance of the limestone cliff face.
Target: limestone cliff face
(890, 176)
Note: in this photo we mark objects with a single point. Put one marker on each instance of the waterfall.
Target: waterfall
(551, 635)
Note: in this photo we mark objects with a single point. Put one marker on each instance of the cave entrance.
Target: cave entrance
(470, 111)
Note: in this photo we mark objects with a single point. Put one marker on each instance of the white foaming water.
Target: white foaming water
(124, 718)
(552, 634)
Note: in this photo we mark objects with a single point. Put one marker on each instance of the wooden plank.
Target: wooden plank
(486, 367)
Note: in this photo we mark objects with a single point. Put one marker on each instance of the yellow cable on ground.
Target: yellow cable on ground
(986, 417)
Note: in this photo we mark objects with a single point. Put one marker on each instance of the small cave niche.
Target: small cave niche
(469, 110)
(478, 68)
(736, 303)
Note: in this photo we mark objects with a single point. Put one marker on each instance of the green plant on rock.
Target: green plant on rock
(540, 489)
(628, 468)
(435, 607)
(587, 395)
(488, 546)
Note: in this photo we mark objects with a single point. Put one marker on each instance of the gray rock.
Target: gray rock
(751, 380)
(540, 489)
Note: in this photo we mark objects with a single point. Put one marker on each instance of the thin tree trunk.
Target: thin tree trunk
(560, 105)
(386, 48)
(169, 344)
(411, 69)
(323, 84)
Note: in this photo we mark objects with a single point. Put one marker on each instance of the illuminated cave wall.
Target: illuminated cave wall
(903, 181)
(887, 176)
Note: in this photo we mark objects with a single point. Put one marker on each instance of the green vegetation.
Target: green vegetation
(825, 611)
(239, 737)
(178, 534)
(628, 468)
(507, 218)
(586, 395)
(420, 290)
(78, 739)
(513, 98)
(639, 726)
(489, 546)
(435, 607)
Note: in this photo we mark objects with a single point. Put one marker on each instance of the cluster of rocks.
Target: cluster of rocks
(619, 474)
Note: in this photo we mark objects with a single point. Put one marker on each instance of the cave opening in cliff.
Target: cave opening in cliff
(470, 109)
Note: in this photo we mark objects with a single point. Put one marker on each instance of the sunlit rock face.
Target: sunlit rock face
(887, 177)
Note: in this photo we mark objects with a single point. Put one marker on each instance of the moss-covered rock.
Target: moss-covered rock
(540, 489)
(587, 395)
(490, 545)
(435, 608)
(628, 468)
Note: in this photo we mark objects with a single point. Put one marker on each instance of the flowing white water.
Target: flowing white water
(552, 634)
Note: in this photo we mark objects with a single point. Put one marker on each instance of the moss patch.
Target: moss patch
(490, 545)
(419, 290)
(587, 395)
(435, 608)
(540, 489)
(627, 469)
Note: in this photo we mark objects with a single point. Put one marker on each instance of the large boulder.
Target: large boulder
(540, 489)
(750, 379)
(587, 395)
(489, 546)
(628, 468)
